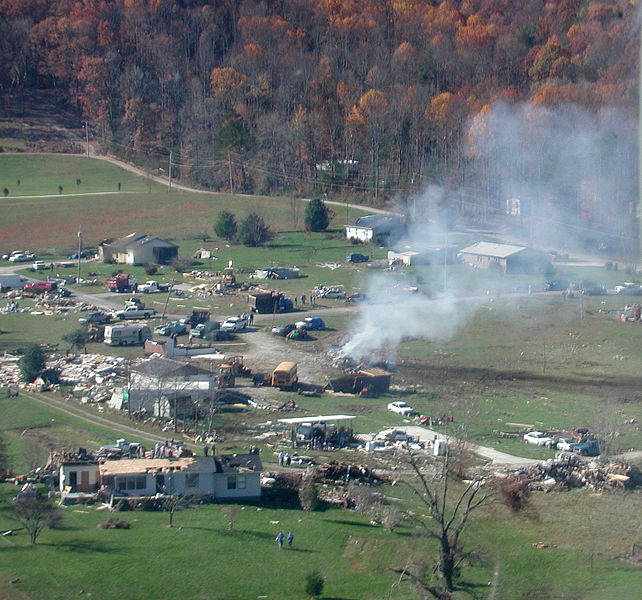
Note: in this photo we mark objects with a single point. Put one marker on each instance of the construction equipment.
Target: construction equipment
(228, 279)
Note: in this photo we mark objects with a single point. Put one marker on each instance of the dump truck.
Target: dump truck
(269, 302)
(285, 375)
(121, 283)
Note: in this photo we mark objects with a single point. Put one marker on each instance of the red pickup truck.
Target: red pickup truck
(41, 287)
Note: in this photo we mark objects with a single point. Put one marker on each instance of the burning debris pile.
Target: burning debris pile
(569, 471)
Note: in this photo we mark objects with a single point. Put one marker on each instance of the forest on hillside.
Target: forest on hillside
(490, 105)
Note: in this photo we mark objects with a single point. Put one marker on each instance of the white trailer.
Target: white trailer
(127, 335)
(11, 281)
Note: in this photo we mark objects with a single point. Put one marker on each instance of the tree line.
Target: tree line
(371, 97)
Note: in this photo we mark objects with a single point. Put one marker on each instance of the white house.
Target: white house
(159, 385)
(375, 228)
(222, 477)
(138, 249)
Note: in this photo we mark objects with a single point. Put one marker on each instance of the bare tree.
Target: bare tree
(449, 511)
(172, 503)
(34, 514)
(308, 493)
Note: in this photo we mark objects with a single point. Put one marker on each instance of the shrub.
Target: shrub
(151, 269)
(32, 363)
(181, 264)
(115, 524)
(314, 584)
(123, 505)
(254, 231)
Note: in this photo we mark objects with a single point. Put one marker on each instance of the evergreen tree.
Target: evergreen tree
(225, 226)
(316, 215)
(32, 363)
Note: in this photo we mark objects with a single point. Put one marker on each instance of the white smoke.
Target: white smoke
(394, 313)
(575, 174)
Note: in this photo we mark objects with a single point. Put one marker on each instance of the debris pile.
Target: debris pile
(335, 471)
(94, 375)
(569, 471)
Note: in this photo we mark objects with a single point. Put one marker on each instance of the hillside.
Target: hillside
(490, 100)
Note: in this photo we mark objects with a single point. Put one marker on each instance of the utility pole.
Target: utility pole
(229, 167)
(79, 251)
(170, 171)
(87, 137)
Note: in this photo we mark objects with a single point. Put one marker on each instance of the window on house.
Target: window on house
(137, 482)
(191, 480)
(231, 482)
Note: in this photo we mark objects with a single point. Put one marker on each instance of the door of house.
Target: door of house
(84, 481)
(160, 483)
(73, 480)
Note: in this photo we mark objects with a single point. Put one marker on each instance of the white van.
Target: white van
(127, 335)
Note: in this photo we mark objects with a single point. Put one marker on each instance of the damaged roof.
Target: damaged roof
(136, 239)
(238, 463)
(195, 464)
(160, 366)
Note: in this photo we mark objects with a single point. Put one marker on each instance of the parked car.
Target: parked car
(171, 328)
(234, 324)
(95, 317)
(629, 288)
(538, 438)
(588, 288)
(333, 293)
(564, 444)
(283, 330)
(356, 297)
(39, 265)
(355, 257)
(586, 448)
(401, 408)
(21, 257)
(557, 285)
(202, 329)
(311, 324)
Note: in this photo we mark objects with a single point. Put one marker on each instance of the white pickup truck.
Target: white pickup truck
(133, 312)
(151, 286)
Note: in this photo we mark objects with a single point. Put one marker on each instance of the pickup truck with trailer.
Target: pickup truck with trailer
(127, 335)
(122, 283)
(133, 312)
(151, 287)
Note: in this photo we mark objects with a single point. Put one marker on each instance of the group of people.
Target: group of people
(280, 538)
(303, 300)
(284, 458)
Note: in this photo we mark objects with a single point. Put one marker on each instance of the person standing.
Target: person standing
(290, 539)
(279, 539)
